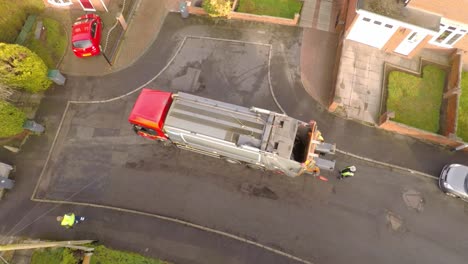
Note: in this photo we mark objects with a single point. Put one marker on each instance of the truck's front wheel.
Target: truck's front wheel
(232, 161)
(255, 166)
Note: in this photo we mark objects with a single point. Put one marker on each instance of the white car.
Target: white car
(453, 181)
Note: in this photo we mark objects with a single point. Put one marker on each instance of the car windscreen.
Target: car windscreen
(466, 183)
(82, 44)
(80, 21)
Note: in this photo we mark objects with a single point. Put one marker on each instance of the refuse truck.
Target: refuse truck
(255, 137)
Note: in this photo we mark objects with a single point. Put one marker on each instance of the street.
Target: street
(90, 158)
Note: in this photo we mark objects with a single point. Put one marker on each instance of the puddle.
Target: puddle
(258, 191)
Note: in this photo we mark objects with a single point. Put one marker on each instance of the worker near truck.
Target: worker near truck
(347, 172)
(69, 220)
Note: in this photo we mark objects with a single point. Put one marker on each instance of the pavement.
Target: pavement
(95, 160)
(144, 21)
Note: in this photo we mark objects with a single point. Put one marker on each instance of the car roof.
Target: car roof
(457, 177)
(81, 31)
(81, 28)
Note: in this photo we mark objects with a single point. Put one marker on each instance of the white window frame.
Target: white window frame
(453, 30)
(60, 2)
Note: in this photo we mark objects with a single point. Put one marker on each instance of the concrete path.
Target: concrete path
(318, 14)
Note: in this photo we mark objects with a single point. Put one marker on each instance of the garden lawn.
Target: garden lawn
(52, 47)
(417, 101)
(13, 13)
(462, 123)
(101, 255)
(276, 8)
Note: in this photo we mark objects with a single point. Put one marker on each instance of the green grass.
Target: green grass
(462, 123)
(101, 255)
(53, 256)
(416, 101)
(53, 47)
(13, 13)
(276, 8)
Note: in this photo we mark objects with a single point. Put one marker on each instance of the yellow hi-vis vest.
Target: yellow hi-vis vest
(68, 220)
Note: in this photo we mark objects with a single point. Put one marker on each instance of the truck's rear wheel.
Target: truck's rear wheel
(232, 161)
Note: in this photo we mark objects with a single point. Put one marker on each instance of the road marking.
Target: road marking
(415, 172)
(182, 222)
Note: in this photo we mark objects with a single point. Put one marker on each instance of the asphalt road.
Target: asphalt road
(379, 216)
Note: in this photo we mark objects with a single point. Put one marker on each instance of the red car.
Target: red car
(86, 36)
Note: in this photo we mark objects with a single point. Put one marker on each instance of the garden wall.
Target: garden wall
(387, 124)
(452, 94)
(249, 17)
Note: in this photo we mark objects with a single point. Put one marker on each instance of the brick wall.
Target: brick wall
(351, 15)
(420, 134)
(76, 5)
(452, 95)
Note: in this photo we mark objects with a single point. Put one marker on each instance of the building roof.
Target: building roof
(397, 10)
(455, 10)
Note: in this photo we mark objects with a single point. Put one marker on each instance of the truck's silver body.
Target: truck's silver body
(253, 136)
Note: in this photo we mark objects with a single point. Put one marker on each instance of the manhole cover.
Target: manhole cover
(413, 199)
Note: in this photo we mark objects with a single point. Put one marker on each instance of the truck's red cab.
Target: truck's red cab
(149, 113)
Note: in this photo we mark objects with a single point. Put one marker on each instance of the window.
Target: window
(378, 23)
(366, 19)
(448, 35)
(60, 2)
(145, 130)
(82, 44)
(412, 35)
(388, 26)
(93, 29)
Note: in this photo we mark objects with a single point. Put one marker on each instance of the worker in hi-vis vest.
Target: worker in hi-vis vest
(69, 220)
(347, 172)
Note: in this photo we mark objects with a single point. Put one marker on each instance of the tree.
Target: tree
(217, 8)
(11, 120)
(21, 68)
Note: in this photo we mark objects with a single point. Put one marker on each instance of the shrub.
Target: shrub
(12, 120)
(217, 8)
(21, 68)
(13, 14)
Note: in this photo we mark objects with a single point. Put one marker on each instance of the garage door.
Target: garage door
(372, 32)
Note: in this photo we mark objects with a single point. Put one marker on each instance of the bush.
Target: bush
(12, 120)
(21, 68)
(217, 8)
(13, 14)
